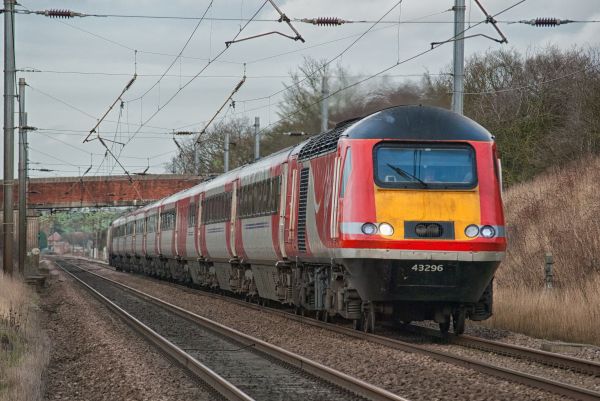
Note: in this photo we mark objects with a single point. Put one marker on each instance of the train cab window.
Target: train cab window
(346, 172)
(425, 166)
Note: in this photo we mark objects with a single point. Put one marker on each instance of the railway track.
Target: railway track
(543, 357)
(237, 366)
(582, 366)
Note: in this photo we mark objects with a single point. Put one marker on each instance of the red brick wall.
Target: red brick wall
(102, 191)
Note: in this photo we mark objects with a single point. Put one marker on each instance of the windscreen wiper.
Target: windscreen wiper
(407, 175)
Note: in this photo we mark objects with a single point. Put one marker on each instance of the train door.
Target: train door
(133, 235)
(234, 219)
(283, 201)
(144, 234)
(291, 203)
(343, 168)
(181, 226)
(200, 239)
(159, 230)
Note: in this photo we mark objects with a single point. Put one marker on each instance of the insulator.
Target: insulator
(324, 21)
(545, 22)
(61, 14)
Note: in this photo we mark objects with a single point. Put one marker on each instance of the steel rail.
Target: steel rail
(543, 357)
(204, 373)
(337, 378)
(542, 383)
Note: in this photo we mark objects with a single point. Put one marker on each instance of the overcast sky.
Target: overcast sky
(83, 64)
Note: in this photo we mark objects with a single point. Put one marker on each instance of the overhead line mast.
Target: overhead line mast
(458, 86)
(9, 132)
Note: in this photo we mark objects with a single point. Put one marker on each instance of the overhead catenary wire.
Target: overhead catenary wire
(320, 44)
(83, 112)
(235, 90)
(323, 21)
(154, 53)
(236, 113)
(122, 74)
(50, 156)
(187, 42)
(297, 84)
(93, 130)
(161, 107)
(109, 151)
(381, 71)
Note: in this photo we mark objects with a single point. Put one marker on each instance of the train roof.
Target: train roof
(416, 122)
(409, 122)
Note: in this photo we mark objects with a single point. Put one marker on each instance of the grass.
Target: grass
(568, 314)
(555, 213)
(23, 347)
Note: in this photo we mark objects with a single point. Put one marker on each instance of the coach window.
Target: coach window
(149, 225)
(270, 194)
(243, 202)
(192, 215)
(261, 198)
(346, 172)
(277, 194)
(220, 207)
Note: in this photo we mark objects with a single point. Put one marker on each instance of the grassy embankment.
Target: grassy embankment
(23, 349)
(558, 212)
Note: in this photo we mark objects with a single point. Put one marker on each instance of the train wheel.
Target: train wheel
(458, 321)
(445, 327)
(325, 317)
(368, 319)
(356, 324)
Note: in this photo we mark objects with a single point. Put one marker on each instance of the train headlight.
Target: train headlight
(369, 228)
(386, 229)
(472, 231)
(487, 231)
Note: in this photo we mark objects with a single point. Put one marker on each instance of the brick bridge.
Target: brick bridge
(101, 191)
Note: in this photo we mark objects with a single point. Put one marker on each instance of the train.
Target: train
(392, 217)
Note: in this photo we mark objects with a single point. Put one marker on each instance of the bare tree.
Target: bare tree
(210, 148)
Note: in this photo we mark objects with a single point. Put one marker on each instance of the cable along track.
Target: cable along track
(236, 365)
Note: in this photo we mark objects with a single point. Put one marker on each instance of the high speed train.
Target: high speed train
(395, 216)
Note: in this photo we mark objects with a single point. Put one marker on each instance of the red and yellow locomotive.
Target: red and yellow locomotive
(394, 216)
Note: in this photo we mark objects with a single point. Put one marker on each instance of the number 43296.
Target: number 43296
(427, 268)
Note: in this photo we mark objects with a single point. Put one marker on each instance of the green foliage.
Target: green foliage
(543, 107)
(68, 223)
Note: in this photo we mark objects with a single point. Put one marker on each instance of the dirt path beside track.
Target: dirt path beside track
(95, 356)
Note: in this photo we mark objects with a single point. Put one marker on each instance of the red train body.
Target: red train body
(394, 216)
